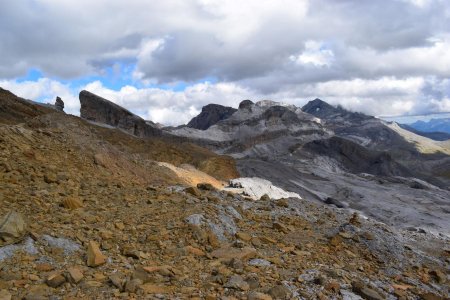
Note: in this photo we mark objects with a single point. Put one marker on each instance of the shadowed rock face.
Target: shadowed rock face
(357, 159)
(323, 110)
(210, 115)
(246, 104)
(97, 109)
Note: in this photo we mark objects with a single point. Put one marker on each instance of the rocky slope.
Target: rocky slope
(113, 216)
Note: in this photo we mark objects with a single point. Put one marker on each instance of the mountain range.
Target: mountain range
(433, 125)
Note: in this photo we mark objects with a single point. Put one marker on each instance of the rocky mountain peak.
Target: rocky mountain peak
(320, 108)
(324, 110)
(97, 109)
(210, 115)
(246, 104)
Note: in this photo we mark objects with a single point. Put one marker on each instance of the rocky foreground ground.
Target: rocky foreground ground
(104, 221)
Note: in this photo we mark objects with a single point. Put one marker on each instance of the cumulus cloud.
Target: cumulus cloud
(374, 56)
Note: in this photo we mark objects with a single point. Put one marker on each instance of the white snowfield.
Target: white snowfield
(256, 187)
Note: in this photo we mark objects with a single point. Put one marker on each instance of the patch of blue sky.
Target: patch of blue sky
(115, 77)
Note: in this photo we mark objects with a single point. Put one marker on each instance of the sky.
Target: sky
(164, 60)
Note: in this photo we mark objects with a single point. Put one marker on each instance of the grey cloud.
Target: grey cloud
(257, 51)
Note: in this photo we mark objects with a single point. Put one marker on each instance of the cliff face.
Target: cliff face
(97, 109)
(210, 115)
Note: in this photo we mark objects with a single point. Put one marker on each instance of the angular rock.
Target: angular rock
(227, 253)
(193, 191)
(258, 296)
(95, 257)
(280, 292)
(55, 279)
(131, 286)
(366, 292)
(243, 236)
(13, 228)
(194, 251)
(5, 295)
(238, 283)
(117, 281)
(72, 203)
(75, 274)
(205, 186)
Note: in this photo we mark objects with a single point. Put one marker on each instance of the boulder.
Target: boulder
(59, 104)
(13, 228)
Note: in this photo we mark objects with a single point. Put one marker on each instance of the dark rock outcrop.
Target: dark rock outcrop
(59, 104)
(97, 109)
(246, 104)
(356, 158)
(282, 113)
(210, 115)
(323, 110)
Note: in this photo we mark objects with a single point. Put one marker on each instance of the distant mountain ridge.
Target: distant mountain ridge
(437, 136)
(433, 125)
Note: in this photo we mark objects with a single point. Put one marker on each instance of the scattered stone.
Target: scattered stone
(282, 203)
(354, 220)
(431, 296)
(149, 288)
(194, 251)
(280, 227)
(439, 276)
(13, 228)
(131, 286)
(347, 295)
(336, 240)
(368, 236)
(72, 203)
(265, 197)
(280, 292)
(259, 262)
(50, 178)
(333, 286)
(243, 236)
(365, 291)
(238, 283)
(129, 251)
(5, 295)
(205, 186)
(55, 279)
(95, 257)
(44, 267)
(193, 191)
(228, 253)
(117, 281)
(75, 274)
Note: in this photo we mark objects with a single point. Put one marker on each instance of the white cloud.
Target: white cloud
(316, 54)
(384, 96)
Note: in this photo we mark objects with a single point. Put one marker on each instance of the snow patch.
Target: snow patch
(256, 187)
